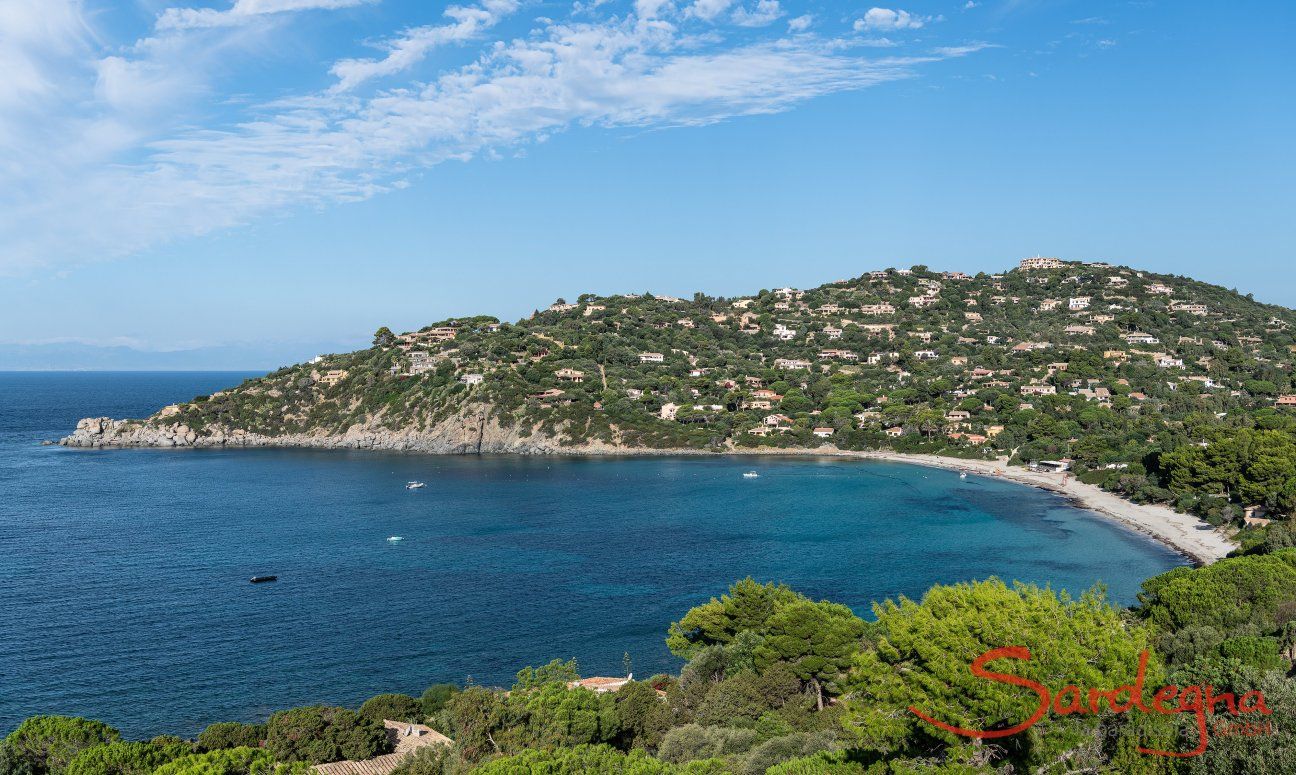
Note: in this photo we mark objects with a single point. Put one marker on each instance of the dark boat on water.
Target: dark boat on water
(263, 579)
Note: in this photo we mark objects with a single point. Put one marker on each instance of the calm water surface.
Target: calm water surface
(124, 574)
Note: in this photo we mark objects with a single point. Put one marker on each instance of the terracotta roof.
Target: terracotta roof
(379, 765)
(405, 739)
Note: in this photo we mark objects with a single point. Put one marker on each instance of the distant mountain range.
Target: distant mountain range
(77, 356)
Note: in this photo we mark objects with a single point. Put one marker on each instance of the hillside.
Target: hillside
(1158, 387)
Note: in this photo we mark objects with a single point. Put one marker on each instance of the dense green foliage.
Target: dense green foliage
(319, 734)
(1157, 387)
(771, 624)
(126, 758)
(775, 682)
(591, 758)
(46, 744)
(231, 761)
(231, 734)
(436, 696)
(920, 655)
(396, 707)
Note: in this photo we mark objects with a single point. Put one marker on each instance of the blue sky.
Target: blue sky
(182, 174)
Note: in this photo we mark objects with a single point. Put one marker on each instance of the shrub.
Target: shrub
(1254, 651)
(781, 749)
(231, 761)
(231, 734)
(436, 696)
(320, 734)
(692, 742)
(123, 758)
(432, 760)
(589, 759)
(397, 707)
(46, 744)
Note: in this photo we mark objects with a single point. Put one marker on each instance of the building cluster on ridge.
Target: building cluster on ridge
(1089, 302)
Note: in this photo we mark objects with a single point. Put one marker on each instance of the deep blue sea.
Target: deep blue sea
(124, 589)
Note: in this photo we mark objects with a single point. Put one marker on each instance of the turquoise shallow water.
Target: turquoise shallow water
(125, 593)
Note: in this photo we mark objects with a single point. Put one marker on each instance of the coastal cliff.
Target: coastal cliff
(463, 434)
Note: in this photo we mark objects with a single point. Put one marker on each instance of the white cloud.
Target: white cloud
(651, 9)
(887, 19)
(243, 11)
(952, 52)
(468, 22)
(708, 10)
(35, 36)
(113, 153)
(800, 23)
(763, 13)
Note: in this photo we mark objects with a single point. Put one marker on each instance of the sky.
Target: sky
(292, 174)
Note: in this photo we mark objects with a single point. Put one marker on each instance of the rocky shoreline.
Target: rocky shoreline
(472, 433)
(104, 432)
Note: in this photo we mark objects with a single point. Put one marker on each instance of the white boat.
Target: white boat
(962, 474)
(395, 539)
(414, 485)
(750, 475)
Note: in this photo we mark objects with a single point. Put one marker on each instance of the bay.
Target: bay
(124, 573)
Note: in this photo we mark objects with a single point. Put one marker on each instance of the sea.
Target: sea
(124, 574)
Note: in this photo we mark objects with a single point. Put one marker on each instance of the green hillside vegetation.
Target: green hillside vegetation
(1160, 388)
(775, 682)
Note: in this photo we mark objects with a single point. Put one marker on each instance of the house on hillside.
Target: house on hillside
(1040, 262)
(601, 684)
(1138, 337)
(332, 376)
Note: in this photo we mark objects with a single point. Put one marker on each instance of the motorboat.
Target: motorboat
(263, 579)
(395, 539)
(414, 485)
(750, 475)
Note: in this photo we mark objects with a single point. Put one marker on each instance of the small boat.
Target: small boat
(395, 539)
(263, 579)
(750, 475)
(414, 485)
(962, 474)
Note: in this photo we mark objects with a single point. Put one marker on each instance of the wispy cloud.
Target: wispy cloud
(762, 13)
(467, 23)
(242, 12)
(109, 152)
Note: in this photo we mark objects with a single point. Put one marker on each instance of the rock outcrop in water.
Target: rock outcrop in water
(466, 433)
